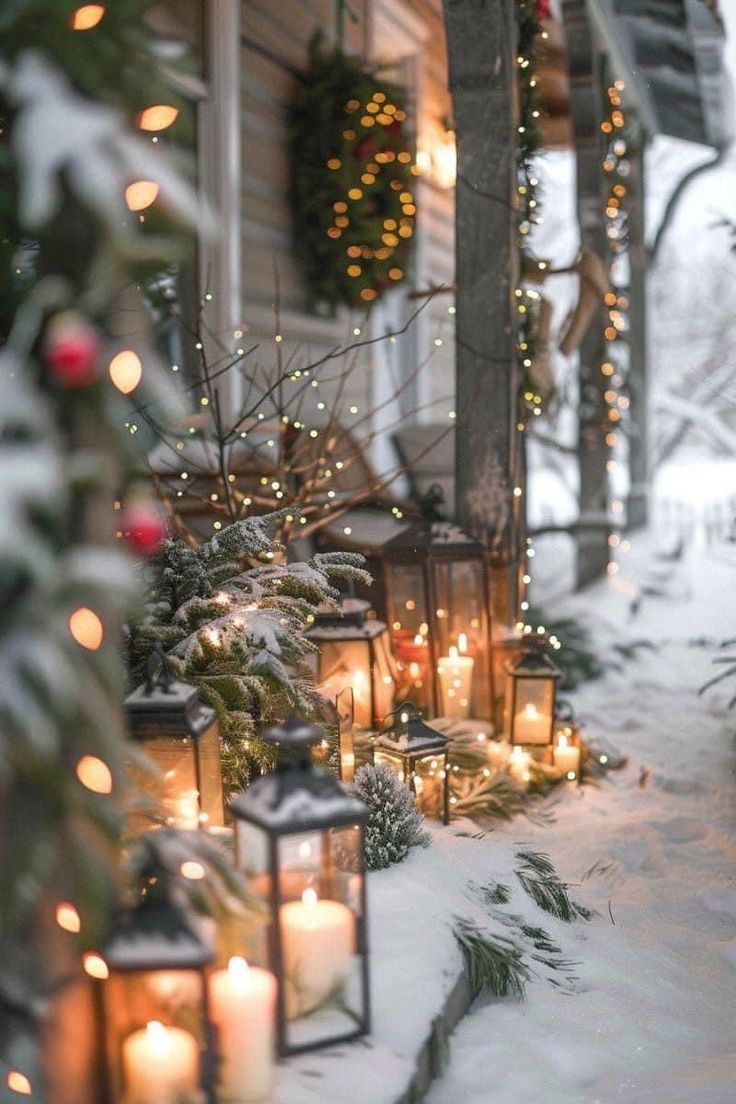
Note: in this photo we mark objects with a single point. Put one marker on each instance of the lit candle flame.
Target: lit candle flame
(453, 652)
(158, 1037)
(237, 969)
(562, 741)
(531, 711)
(462, 643)
(309, 897)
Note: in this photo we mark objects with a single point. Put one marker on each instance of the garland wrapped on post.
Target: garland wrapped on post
(352, 184)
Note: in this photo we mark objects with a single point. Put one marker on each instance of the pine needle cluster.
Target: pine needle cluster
(394, 822)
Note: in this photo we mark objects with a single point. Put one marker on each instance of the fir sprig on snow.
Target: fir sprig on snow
(539, 879)
(494, 963)
(233, 625)
(394, 822)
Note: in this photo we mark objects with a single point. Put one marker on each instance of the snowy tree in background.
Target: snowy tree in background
(237, 631)
(394, 823)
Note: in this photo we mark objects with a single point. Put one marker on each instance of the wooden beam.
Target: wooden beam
(481, 36)
(586, 109)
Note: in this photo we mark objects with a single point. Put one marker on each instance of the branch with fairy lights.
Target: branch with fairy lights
(532, 309)
(298, 443)
(352, 181)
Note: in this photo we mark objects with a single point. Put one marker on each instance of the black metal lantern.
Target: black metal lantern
(355, 651)
(531, 689)
(437, 586)
(299, 840)
(418, 754)
(153, 1003)
(181, 737)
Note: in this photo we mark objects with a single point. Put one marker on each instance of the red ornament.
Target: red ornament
(72, 351)
(365, 149)
(543, 9)
(142, 527)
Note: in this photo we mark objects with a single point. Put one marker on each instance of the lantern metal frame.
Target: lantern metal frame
(428, 545)
(352, 625)
(154, 937)
(299, 798)
(410, 741)
(532, 665)
(164, 710)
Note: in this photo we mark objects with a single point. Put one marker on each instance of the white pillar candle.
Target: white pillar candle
(318, 942)
(531, 726)
(243, 1003)
(161, 1066)
(518, 765)
(456, 679)
(566, 757)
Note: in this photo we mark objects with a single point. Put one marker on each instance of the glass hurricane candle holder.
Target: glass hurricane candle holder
(355, 652)
(181, 737)
(153, 1005)
(437, 587)
(418, 754)
(531, 688)
(300, 842)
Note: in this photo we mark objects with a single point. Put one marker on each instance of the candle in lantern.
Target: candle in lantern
(518, 765)
(161, 1066)
(243, 1002)
(531, 726)
(456, 676)
(566, 757)
(318, 938)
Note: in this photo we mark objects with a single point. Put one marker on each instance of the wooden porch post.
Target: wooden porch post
(481, 37)
(586, 111)
(639, 468)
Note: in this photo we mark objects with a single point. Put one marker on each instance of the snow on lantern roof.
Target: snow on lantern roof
(350, 622)
(156, 935)
(534, 663)
(428, 538)
(298, 799)
(410, 734)
(171, 702)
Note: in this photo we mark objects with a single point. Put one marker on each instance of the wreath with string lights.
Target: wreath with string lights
(353, 181)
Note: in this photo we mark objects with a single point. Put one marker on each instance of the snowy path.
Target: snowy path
(654, 1017)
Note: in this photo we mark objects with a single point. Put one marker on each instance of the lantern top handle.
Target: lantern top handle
(431, 502)
(159, 675)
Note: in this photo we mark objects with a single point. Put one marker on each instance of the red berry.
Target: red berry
(72, 351)
(143, 528)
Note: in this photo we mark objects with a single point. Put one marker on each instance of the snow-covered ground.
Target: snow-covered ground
(652, 1018)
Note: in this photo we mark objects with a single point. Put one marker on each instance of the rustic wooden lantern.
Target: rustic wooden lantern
(417, 753)
(531, 688)
(153, 1006)
(180, 735)
(437, 586)
(355, 651)
(299, 841)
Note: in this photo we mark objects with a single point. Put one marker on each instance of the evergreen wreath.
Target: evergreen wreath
(394, 822)
(352, 180)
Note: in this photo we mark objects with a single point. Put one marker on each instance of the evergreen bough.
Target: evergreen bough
(232, 619)
(394, 822)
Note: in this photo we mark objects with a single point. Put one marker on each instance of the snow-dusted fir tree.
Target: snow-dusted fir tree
(394, 822)
(231, 618)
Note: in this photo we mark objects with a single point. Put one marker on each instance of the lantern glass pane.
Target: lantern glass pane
(210, 777)
(348, 663)
(462, 624)
(395, 762)
(383, 677)
(410, 623)
(533, 707)
(173, 788)
(320, 934)
(429, 785)
(344, 706)
(154, 1023)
